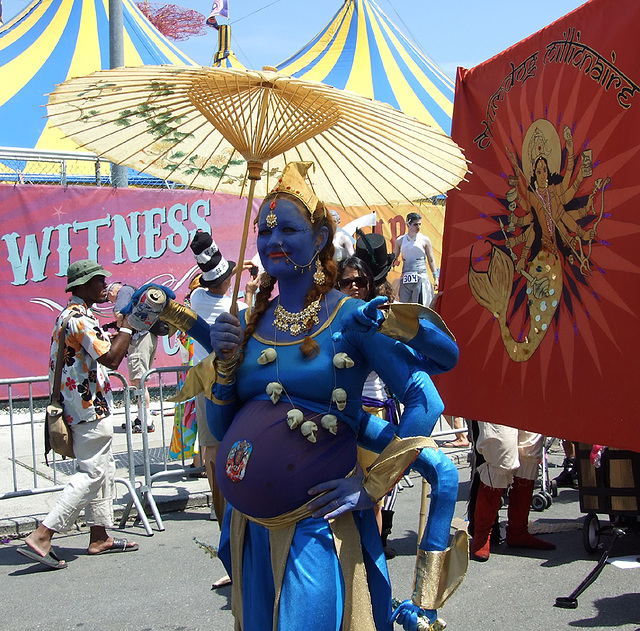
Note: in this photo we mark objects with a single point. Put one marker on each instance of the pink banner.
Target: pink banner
(139, 235)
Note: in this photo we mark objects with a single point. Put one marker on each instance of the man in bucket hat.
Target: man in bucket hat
(86, 399)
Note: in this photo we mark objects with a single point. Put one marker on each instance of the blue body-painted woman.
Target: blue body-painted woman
(286, 404)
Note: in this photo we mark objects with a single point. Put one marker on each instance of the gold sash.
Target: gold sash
(358, 611)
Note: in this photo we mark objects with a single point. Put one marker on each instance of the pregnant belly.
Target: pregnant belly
(265, 469)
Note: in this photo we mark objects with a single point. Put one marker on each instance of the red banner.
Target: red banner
(139, 235)
(541, 262)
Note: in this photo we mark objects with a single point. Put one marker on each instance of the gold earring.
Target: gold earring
(319, 277)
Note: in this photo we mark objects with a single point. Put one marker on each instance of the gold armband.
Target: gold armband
(390, 465)
(439, 574)
(179, 316)
(226, 369)
(402, 321)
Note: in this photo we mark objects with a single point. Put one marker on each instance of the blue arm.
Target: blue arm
(440, 472)
(435, 467)
(437, 349)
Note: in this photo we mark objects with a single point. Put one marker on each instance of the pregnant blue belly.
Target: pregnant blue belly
(265, 469)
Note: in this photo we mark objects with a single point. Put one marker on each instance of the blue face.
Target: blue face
(290, 242)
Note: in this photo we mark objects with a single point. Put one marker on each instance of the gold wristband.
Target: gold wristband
(439, 573)
(392, 463)
(226, 369)
(178, 315)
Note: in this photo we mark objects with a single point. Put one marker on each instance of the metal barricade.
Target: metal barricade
(18, 438)
(145, 490)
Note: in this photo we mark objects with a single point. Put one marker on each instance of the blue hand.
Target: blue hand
(139, 292)
(366, 319)
(342, 495)
(407, 615)
(226, 335)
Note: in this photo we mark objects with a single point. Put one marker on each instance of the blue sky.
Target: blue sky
(451, 32)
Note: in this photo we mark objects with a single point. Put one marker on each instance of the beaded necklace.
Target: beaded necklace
(293, 322)
(547, 210)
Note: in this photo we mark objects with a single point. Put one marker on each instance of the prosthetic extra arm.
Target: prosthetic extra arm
(418, 327)
(439, 570)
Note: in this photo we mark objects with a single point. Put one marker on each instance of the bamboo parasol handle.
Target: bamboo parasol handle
(243, 247)
(422, 520)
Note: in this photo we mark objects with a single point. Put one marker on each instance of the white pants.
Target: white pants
(508, 453)
(92, 485)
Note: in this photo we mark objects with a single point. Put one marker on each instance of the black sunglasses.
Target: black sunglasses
(360, 281)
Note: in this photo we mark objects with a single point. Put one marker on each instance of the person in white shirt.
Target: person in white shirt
(209, 300)
(416, 250)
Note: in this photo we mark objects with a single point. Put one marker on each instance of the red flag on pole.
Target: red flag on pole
(541, 258)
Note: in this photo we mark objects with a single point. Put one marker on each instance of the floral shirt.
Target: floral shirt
(84, 386)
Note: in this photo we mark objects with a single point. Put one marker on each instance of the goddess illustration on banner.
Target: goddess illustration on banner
(543, 247)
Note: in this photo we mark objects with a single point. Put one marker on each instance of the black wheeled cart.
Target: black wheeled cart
(612, 489)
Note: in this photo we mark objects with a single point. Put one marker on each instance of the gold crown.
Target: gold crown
(294, 182)
(538, 146)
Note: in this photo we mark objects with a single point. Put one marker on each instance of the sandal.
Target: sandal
(118, 545)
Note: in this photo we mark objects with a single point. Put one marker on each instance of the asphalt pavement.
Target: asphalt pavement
(167, 583)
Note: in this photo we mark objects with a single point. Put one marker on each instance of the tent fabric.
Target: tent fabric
(54, 40)
(362, 50)
(225, 57)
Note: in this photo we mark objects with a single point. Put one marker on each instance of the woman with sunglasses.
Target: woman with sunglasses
(355, 279)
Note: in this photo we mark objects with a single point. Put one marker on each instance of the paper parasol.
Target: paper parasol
(216, 128)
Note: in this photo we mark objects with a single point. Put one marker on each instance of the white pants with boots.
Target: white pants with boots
(508, 453)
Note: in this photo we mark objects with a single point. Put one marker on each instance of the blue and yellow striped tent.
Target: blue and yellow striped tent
(363, 51)
(225, 57)
(53, 40)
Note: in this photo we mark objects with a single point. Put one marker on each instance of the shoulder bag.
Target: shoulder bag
(57, 434)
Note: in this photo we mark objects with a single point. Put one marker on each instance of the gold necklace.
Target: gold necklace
(293, 323)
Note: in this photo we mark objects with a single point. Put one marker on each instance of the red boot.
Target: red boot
(518, 535)
(487, 506)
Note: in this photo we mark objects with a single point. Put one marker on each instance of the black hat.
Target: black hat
(215, 268)
(372, 249)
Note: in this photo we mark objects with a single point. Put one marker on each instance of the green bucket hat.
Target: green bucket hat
(82, 272)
